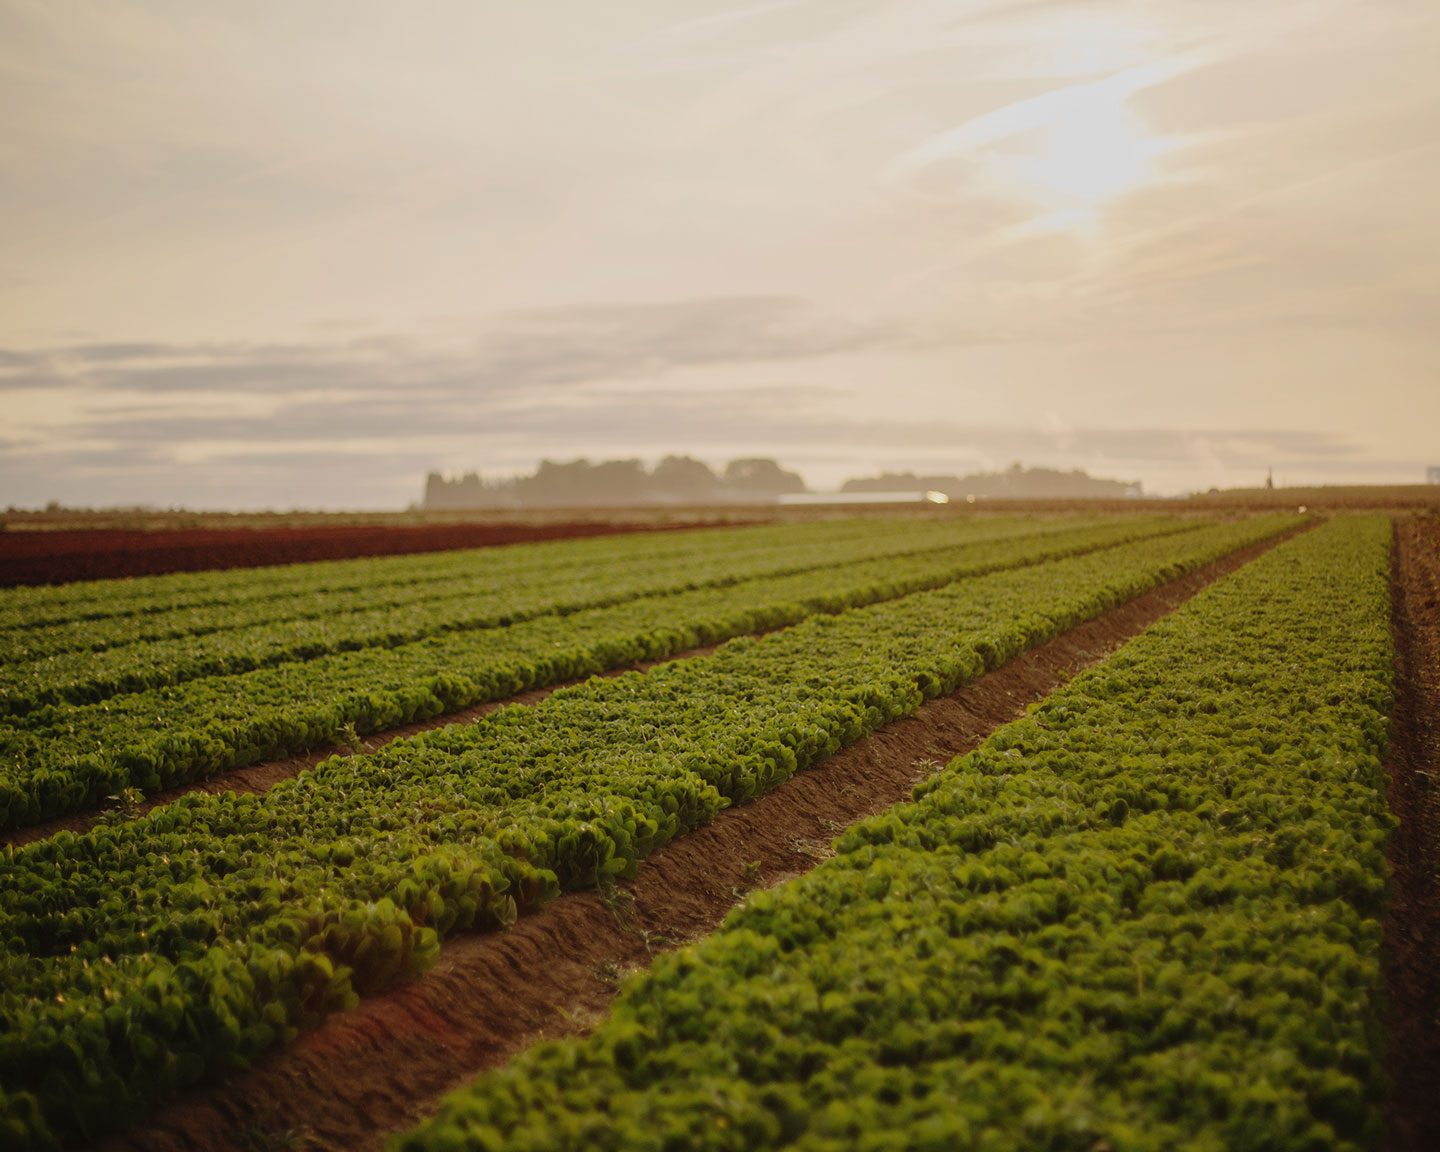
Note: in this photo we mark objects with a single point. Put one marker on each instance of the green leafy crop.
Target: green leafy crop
(146, 953)
(1144, 917)
(277, 689)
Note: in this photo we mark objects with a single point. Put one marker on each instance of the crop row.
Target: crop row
(146, 953)
(497, 574)
(62, 759)
(1144, 917)
(89, 676)
(22, 608)
(38, 606)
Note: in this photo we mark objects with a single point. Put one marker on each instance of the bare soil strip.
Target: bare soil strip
(383, 1066)
(1412, 927)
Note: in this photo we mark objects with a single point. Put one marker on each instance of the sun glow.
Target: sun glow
(1091, 150)
(1067, 153)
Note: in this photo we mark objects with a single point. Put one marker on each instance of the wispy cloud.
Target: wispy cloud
(525, 382)
(515, 353)
(1061, 104)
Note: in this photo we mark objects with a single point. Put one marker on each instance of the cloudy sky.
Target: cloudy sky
(300, 252)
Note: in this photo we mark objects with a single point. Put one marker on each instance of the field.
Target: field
(1042, 828)
(57, 555)
(63, 545)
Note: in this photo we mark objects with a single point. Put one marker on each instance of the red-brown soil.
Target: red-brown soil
(383, 1066)
(1412, 928)
(104, 553)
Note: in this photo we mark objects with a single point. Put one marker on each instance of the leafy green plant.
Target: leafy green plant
(1145, 917)
(63, 757)
(140, 956)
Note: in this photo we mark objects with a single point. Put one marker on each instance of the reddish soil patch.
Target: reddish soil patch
(383, 1066)
(1412, 927)
(104, 553)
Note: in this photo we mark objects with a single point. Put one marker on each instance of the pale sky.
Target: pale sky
(299, 253)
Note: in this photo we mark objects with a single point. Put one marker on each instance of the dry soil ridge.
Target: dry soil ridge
(1412, 925)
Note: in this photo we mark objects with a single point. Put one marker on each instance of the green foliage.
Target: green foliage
(142, 955)
(1144, 917)
(270, 619)
(65, 757)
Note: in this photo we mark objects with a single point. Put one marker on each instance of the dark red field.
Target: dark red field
(56, 557)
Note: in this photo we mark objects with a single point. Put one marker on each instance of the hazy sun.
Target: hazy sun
(1067, 153)
(1090, 150)
(1087, 154)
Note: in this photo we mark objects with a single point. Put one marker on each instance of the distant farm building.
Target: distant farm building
(793, 498)
(1432, 475)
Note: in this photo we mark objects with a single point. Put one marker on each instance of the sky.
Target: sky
(298, 253)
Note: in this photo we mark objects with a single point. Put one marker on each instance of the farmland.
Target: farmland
(982, 953)
(1084, 920)
(51, 554)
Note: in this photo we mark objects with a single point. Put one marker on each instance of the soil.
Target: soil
(57, 557)
(1412, 927)
(383, 1066)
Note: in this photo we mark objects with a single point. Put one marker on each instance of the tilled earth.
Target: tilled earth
(1412, 929)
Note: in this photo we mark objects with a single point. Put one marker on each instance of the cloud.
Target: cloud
(1036, 112)
(518, 351)
(617, 422)
(523, 384)
(373, 446)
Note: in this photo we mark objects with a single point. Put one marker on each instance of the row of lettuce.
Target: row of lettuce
(269, 633)
(63, 759)
(546, 575)
(145, 954)
(1145, 917)
(42, 606)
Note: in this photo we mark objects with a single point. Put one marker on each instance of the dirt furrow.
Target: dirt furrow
(384, 1065)
(1412, 926)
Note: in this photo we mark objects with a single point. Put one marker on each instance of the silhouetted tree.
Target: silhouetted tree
(684, 478)
(1015, 482)
(578, 483)
(759, 475)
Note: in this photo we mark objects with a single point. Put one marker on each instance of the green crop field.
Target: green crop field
(1145, 914)
(970, 970)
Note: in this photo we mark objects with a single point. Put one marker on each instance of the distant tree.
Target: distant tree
(437, 491)
(1015, 481)
(554, 483)
(762, 476)
(579, 483)
(894, 482)
(619, 482)
(684, 478)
